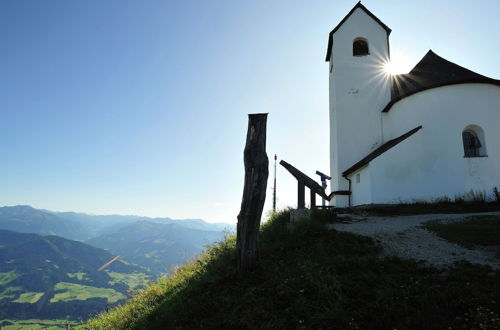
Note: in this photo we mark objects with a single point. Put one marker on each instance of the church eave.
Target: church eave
(379, 151)
(470, 81)
(369, 13)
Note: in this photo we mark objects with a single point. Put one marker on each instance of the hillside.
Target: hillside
(156, 246)
(52, 277)
(313, 278)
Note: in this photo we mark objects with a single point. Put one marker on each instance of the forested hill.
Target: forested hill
(53, 277)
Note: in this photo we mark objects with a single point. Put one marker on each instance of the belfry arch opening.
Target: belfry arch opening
(360, 47)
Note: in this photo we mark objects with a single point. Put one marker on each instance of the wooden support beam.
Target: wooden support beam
(301, 198)
(313, 199)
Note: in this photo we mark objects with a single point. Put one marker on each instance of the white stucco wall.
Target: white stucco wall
(431, 164)
(361, 191)
(359, 90)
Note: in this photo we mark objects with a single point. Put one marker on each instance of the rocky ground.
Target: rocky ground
(404, 236)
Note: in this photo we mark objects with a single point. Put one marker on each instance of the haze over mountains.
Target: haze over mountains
(49, 260)
(82, 226)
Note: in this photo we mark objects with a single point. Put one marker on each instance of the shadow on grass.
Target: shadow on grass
(477, 230)
(424, 208)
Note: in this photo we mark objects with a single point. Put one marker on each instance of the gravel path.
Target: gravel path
(403, 236)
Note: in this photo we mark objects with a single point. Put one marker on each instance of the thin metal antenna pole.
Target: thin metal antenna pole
(274, 192)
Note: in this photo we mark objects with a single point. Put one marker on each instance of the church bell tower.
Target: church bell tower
(358, 49)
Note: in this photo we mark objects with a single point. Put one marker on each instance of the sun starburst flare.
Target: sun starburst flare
(394, 67)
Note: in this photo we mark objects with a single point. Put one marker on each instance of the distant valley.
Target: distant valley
(49, 260)
(52, 277)
(156, 246)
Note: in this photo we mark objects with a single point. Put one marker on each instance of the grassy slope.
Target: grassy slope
(422, 207)
(35, 324)
(29, 297)
(10, 293)
(480, 230)
(312, 278)
(7, 277)
(65, 291)
(133, 281)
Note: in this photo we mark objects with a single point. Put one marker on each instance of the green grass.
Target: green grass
(422, 207)
(8, 277)
(152, 253)
(473, 201)
(29, 297)
(312, 278)
(133, 281)
(477, 230)
(35, 324)
(10, 292)
(79, 276)
(73, 291)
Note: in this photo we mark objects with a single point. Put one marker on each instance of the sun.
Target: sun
(395, 66)
(389, 68)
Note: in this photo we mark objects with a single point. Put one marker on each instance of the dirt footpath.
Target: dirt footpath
(405, 237)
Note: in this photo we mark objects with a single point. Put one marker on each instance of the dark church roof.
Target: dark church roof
(360, 6)
(432, 71)
(379, 151)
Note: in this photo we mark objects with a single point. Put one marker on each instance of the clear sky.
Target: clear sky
(140, 107)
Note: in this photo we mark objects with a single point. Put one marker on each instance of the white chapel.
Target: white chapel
(431, 133)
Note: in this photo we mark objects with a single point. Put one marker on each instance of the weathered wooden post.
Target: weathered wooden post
(254, 193)
(301, 192)
(313, 199)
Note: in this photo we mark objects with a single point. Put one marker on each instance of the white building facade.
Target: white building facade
(425, 135)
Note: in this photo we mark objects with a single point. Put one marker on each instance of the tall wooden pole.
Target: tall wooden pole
(254, 193)
(274, 188)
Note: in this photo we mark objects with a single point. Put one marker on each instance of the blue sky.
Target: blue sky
(139, 107)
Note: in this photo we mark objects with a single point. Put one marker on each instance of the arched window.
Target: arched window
(360, 47)
(473, 140)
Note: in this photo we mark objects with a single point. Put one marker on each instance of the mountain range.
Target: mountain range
(49, 260)
(52, 277)
(155, 243)
(82, 226)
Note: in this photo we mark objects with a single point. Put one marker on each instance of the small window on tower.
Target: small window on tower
(360, 47)
(358, 178)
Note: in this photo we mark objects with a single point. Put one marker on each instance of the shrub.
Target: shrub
(496, 194)
(326, 215)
